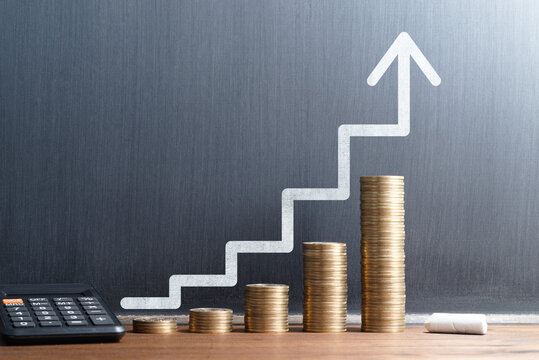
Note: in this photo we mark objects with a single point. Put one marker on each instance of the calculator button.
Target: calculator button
(92, 307)
(48, 318)
(21, 318)
(38, 299)
(16, 308)
(65, 303)
(12, 301)
(40, 303)
(101, 320)
(96, 312)
(86, 299)
(24, 324)
(19, 313)
(77, 322)
(41, 308)
(11, 305)
(70, 312)
(74, 317)
(56, 299)
(50, 323)
(63, 308)
(84, 303)
(45, 313)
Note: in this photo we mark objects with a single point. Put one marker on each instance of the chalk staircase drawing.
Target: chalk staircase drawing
(402, 49)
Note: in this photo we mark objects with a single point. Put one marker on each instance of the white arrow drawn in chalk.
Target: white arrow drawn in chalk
(402, 48)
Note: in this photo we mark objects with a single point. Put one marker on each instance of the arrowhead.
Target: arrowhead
(403, 46)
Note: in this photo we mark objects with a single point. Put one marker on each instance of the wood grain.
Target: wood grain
(500, 342)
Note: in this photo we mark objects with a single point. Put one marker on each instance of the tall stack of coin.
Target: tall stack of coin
(382, 249)
(325, 290)
(210, 320)
(155, 325)
(266, 308)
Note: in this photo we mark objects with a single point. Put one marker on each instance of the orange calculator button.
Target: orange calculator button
(12, 301)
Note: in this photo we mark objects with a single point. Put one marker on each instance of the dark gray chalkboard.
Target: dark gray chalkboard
(138, 137)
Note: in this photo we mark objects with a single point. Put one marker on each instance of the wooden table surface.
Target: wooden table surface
(500, 342)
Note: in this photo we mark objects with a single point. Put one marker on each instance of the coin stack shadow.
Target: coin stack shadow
(155, 325)
(325, 289)
(383, 293)
(210, 320)
(266, 308)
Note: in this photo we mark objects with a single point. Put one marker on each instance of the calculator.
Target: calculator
(53, 313)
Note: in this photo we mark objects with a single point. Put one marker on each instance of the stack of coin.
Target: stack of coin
(266, 308)
(382, 249)
(325, 290)
(155, 325)
(210, 320)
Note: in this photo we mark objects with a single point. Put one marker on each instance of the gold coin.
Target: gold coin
(210, 320)
(155, 325)
(266, 308)
(325, 287)
(382, 249)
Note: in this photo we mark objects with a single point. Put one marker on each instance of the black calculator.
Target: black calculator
(53, 313)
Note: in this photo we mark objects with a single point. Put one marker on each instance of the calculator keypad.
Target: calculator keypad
(56, 312)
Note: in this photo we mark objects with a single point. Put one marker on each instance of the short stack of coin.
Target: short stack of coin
(210, 320)
(266, 308)
(382, 248)
(325, 289)
(155, 325)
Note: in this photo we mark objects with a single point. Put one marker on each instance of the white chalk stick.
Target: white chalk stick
(457, 323)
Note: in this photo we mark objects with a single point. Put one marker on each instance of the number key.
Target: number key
(70, 312)
(47, 318)
(74, 317)
(19, 313)
(21, 318)
(42, 308)
(16, 308)
(24, 324)
(44, 313)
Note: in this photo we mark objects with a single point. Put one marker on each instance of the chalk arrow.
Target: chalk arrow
(402, 49)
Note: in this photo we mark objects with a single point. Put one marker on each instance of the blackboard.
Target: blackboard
(138, 137)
